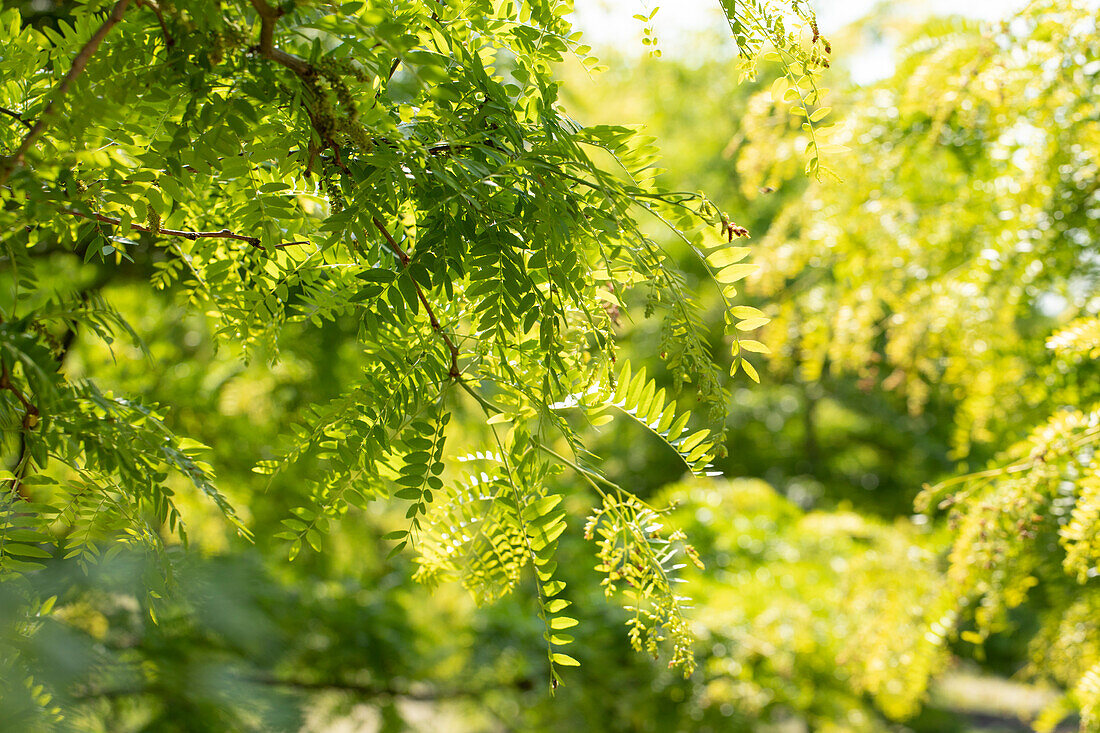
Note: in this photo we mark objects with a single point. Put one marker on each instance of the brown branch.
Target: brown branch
(268, 16)
(28, 423)
(402, 255)
(364, 690)
(222, 234)
(79, 62)
(16, 116)
(168, 40)
(367, 690)
(6, 383)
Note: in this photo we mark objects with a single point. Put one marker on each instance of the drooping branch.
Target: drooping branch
(403, 256)
(79, 62)
(220, 234)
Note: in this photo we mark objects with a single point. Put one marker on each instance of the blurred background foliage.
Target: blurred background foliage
(933, 305)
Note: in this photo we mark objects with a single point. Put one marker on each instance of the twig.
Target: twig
(268, 16)
(79, 62)
(6, 383)
(369, 690)
(168, 40)
(222, 234)
(29, 421)
(402, 255)
(16, 116)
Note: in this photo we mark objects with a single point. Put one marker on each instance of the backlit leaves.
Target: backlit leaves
(399, 183)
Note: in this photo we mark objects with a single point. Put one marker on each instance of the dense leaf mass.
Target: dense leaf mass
(955, 265)
(388, 191)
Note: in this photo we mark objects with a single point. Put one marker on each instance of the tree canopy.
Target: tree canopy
(359, 366)
(398, 183)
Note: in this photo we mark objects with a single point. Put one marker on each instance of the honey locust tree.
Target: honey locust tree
(957, 264)
(405, 166)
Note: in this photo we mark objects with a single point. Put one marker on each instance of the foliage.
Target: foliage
(396, 182)
(1032, 523)
(962, 220)
(349, 286)
(943, 270)
(819, 614)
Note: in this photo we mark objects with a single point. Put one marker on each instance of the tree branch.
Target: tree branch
(369, 690)
(364, 690)
(16, 116)
(79, 62)
(402, 255)
(268, 16)
(222, 234)
(168, 40)
(29, 421)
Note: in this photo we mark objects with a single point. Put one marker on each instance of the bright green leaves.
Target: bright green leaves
(1079, 340)
(638, 559)
(725, 263)
(419, 476)
(638, 397)
(725, 256)
(397, 183)
(785, 33)
(375, 281)
(544, 521)
(24, 528)
(491, 525)
(498, 282)
(733, 273)
(473, 535)
(1047, 491)
(370, 448)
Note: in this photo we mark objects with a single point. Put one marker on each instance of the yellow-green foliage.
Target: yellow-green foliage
(816, 613)
(961, 211)
(1033, 522)
(954, 265)
(395, 184)
(1079, 339)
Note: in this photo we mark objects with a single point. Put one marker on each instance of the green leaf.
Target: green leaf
(733, 273)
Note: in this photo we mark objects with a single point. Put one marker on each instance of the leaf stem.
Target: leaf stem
(403, 256)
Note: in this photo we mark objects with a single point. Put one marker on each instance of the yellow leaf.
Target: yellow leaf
(733, 273)
(727, 256)
(746, 311)
(751, 324)
(751, 371)
(754, 346)
(779, 88)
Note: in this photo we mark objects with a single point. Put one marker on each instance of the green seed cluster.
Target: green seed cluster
(335, 112)
(334, 193)
(218, 42)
